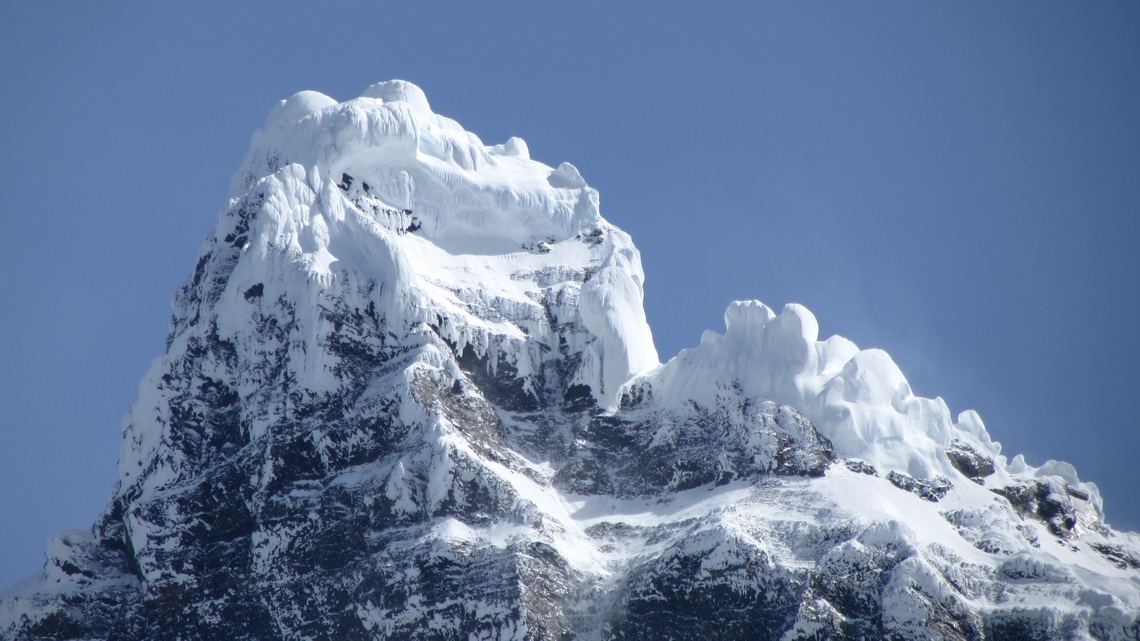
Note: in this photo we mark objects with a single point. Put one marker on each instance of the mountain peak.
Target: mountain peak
(380, 180)
(411, 157)
(410, 392)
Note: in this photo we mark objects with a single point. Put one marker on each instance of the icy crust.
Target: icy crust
(857, 399)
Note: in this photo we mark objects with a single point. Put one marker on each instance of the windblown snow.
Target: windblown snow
(410, 392)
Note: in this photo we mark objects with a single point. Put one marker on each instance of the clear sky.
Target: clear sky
(957, 183)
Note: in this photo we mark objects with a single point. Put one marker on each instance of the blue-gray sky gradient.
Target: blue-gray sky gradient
(956, 183)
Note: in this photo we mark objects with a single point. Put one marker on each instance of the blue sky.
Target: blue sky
(956, 183)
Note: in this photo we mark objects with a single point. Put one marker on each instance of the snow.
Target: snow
(398, 91)
(858, 399)
(337, 188)
(477, 207)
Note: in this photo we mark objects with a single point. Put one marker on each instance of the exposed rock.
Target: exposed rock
(861, 467)
(970, 462)
(1046, 501)
(930, 490)
(1120, 556)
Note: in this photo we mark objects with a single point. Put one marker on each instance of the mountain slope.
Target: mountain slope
(410, 392)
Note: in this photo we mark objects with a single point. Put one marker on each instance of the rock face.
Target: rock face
(410, 393)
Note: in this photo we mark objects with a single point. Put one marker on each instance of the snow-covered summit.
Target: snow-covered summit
(464, 224)
(379, 204)
(466, 195)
